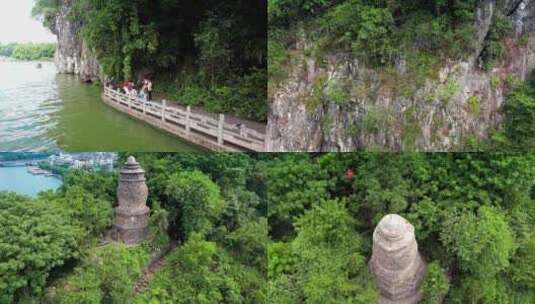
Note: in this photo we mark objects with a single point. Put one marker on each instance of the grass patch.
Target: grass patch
(495, 82)
(474, 102)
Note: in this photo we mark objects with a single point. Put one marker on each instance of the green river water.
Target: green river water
(41, 110)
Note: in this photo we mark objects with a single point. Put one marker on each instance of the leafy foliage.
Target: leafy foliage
(200, 272)
(519, 111)
(35, 238)
(378, 32)
(215, 204)
(325, 264)
(482, 244)
(197, 199)
(28, 51)
(472, 214)
(107, 275)
(294, 186)
(47, 10)
(435, 285)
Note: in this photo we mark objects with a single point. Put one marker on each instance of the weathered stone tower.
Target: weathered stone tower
(132, 214)
(396, 263)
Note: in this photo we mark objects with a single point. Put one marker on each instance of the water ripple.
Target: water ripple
(28, 101)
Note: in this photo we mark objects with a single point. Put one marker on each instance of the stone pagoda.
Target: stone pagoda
(396, 263)
(132, 214)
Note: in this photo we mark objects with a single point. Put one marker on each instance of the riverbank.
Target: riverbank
(9, 59)
(39, 171)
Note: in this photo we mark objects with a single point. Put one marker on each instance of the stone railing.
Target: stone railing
(212, 131)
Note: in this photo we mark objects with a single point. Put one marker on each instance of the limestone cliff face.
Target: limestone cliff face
(384, 110)
(72, 54)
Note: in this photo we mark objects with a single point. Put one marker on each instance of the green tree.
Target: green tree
(435, 285)
(35, 238)
(107, 275)
(196, 202)
(519, 112)
(294, 186)
(33, 51)
(328, 267)
(482, 242)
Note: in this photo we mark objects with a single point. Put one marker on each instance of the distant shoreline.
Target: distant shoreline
(11, 59)
(33, 170)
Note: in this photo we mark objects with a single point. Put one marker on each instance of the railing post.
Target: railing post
(164, 105)
(144, 107)
(220, 129)
(188, 113)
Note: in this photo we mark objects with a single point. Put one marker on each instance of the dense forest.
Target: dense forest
(209, 53)
(28, 51)
(210, 206)
(473, 216)
(277, 228)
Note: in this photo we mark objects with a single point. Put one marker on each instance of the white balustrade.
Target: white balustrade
(239, 135)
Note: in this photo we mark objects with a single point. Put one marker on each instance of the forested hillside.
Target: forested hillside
(208, 53)
(395, 75)
(28, 51)
(211, 206)
(473, 216)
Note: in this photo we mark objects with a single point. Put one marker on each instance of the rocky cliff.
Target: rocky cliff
(72, 54)
(382, 109)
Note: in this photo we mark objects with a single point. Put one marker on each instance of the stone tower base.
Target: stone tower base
(130, 225)
(410, 300)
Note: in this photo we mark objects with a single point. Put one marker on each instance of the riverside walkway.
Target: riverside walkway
(216, 132)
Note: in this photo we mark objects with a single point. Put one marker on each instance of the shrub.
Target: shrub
(519, 123)
(435, 285)
(482, 243)
(107, 275)
(195, 202)
(474, 104)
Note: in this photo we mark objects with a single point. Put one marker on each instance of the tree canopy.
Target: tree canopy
(472, 214)
(53, 248)
(28, 51)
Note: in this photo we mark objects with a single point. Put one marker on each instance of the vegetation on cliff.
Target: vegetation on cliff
(516, 132)
(376, 32)
(380, 32)
(213, 205)
(28, 51)
(472, 213)
(411, 65)
(209, 53)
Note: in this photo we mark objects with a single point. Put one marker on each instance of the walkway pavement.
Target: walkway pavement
(230, 119)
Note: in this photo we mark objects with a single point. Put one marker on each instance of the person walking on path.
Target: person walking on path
(149, 89)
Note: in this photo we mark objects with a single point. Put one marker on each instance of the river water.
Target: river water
(17, 179)
(41, 110)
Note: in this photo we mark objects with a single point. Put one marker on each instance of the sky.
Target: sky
(18, 25)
